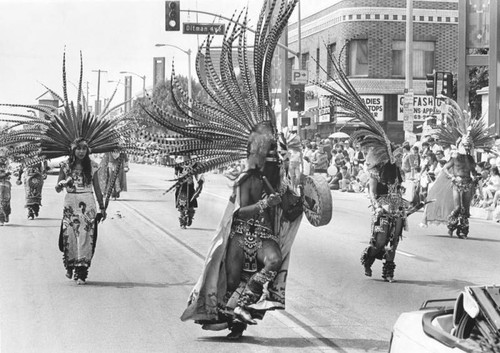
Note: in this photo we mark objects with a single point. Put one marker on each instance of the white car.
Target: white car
(451, 325)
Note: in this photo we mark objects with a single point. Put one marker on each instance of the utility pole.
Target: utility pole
(87, 100)
(299, 54)
(408, 96)
(98, 105)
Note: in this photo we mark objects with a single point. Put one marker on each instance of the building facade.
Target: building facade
(369, 37)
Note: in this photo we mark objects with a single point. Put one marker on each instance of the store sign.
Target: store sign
(376, 105)
(423, 106)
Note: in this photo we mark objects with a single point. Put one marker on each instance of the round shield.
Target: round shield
(332, 170)
(318, 202)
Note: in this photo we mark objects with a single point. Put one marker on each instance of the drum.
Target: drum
(318, 204)
(332, 170)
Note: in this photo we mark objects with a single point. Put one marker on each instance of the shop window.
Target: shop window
(317, 62)
(358, 57)
(331, 54)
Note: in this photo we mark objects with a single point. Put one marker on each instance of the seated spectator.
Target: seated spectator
(491, 186)
(334, 183)
(345, 182)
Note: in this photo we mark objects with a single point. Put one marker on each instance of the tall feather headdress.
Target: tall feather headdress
(51, 135)
(349, 103)
(217, 134)
(459, 126)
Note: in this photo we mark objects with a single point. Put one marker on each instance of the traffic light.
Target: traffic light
(172, 16)
(431, 84)
(448, 84)
(296, 98)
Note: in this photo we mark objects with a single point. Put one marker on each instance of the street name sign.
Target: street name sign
(204, 28)
(299, 77)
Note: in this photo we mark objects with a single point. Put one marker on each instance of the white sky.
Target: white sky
(113, 35)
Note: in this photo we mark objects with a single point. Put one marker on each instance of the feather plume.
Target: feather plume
(348, 103)
(217, 134)
(51, 135)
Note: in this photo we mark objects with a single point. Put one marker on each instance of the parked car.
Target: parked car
(469, 323)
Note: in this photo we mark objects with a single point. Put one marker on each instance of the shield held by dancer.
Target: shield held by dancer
(317, 200)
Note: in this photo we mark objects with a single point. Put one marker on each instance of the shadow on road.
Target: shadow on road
(49, 219)
(451, 284)
(136, 284)
(33, 225)
(468, 238)
(297, 342)
(140, 200)
(204, 229)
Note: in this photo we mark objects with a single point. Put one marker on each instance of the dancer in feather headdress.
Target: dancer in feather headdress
(186, 195)
(454, 188)
(75, 133)
(383, 162)
(246, 267)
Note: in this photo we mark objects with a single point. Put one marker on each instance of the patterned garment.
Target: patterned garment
(463, 184)
(5, 188)
(107, 168)
(33, 184)
(210, 290)
(78, 227)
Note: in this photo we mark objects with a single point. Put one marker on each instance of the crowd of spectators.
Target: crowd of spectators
(343, 165)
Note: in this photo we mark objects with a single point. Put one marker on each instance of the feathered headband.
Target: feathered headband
(217, 134)
(460, 128)
(55, 134)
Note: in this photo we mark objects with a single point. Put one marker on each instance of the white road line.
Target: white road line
(215, 195)
(405, 253)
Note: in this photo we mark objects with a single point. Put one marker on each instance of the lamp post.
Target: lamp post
(127, 104)
(98, 107)
(143, 80)
(188, 52)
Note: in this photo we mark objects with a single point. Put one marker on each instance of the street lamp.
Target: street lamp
(143, 80)
(98, 105)
(188, 52)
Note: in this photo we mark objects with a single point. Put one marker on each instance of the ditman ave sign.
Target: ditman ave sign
(203, 28)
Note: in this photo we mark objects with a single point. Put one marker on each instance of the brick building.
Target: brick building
(369, 38)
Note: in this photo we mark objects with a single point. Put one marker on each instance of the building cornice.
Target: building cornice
(372, 14)
(377, 86)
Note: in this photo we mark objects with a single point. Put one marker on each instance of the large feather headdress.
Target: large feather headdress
(460, 128)
(35, 138)
(217, 134)
(348, 103)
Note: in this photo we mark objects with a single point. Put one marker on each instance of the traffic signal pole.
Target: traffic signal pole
(239, 24)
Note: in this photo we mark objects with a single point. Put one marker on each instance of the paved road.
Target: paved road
(145, 267)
